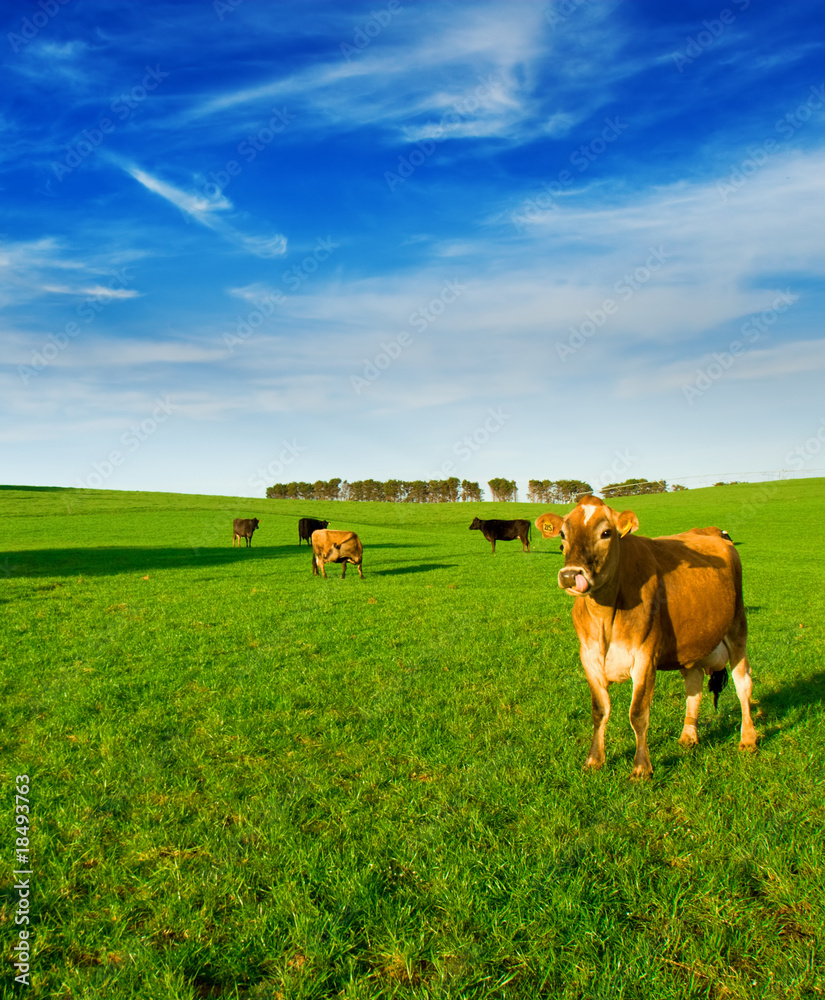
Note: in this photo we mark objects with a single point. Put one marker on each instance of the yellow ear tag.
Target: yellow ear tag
(626, 530)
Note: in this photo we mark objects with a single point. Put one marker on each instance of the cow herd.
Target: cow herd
(345, 546)
(641, 605)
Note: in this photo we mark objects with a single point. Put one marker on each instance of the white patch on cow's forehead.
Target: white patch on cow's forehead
(589, 510)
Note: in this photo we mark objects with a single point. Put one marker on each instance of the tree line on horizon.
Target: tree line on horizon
(391, 491)
(453, 490)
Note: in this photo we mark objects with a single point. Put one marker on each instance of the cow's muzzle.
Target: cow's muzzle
(574, 580)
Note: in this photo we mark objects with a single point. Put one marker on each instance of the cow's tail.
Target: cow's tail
(717, 682)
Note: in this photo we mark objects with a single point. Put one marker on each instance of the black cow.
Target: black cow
(306, 526)
(503, 531)
(244, 528)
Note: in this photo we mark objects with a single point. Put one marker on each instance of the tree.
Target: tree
(393, 490)
(568, 490)
(503, 489)
(416, 491)
(634, 487)
(542, 491)
(470, 491)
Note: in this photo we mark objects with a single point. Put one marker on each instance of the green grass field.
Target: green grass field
(250, 782)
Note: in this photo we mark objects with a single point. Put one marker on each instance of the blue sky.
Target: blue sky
(249, 242)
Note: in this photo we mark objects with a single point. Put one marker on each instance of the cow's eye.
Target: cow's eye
(607, 533)
(562, 535)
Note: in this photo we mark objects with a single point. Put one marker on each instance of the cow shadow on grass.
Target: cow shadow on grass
(415, 568)
(369, 546)
(115, 560)
(788, 700)
(769, 708)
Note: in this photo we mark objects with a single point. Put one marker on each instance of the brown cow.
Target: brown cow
(503, 531)
(244, 527)
(648, 604)
(333, 547)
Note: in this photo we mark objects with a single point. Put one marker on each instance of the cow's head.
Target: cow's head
(255, 521)
(476, 525)
(590, 537)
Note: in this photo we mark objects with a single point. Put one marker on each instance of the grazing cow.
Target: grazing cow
(244, 528)
(648, 604)
(719, 532)
(336, 547)
(503, 531)
(306, 526)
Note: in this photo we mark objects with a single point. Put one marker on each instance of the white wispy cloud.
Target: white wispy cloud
(208, 212)
(48, 266)
(754, 363)
(197, 206)
(255, 293)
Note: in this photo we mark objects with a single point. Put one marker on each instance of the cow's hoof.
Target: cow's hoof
(640, 773)
(748, 745)
(592, 764)
(688, 738)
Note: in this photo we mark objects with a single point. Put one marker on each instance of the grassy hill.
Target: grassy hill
(250, 782)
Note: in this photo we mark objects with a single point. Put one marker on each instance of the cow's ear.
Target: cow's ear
(549, 524)
(627, 522)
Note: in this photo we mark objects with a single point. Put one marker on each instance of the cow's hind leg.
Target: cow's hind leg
(694, 678)
(741, 673)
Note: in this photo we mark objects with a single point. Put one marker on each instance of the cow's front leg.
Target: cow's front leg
(600, 703)
(644, 679)
(343, 569)
(694, 678)
(592, 660)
